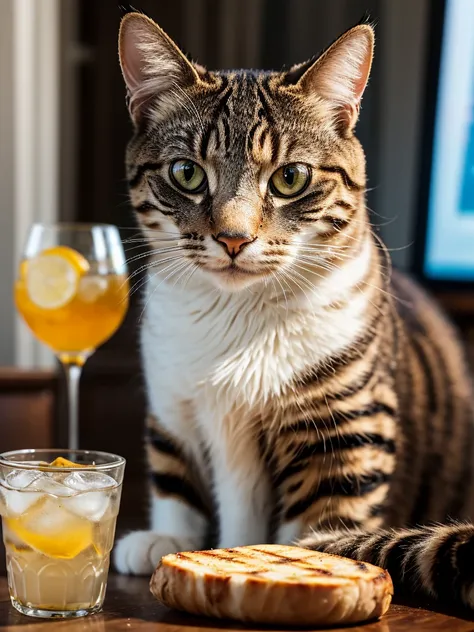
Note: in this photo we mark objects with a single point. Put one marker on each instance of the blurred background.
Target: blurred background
(64, 126)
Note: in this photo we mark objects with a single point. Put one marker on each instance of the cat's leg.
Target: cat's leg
(329, 512)
(179, 511)
(436, 562)
(327, 479)
(242, 490)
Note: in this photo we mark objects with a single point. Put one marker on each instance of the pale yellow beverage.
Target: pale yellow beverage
(58, 530)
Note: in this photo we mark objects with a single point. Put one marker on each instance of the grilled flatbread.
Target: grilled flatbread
(273, 584)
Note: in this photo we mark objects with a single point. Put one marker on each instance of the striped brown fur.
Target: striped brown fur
(365, 451)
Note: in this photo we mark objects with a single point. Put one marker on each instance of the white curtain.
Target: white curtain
(29, 174)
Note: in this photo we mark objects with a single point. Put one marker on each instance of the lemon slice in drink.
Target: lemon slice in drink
(52, 278)
(60, 461)
(51, 530)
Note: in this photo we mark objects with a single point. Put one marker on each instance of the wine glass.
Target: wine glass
(72, 292)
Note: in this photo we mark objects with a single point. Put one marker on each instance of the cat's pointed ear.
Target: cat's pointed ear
(340, 74)
(151, 62)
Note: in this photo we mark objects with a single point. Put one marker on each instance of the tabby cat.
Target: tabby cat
(299, 390)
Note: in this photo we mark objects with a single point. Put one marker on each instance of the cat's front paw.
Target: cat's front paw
(139, 552)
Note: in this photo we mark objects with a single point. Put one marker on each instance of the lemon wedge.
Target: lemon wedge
(52, 531)
(48, 528)
(52, 278)
(60, 461)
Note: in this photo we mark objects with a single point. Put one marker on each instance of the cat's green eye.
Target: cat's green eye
(290, 180)
(188, 176)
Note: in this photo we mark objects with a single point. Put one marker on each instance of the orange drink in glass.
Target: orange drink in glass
(72, 292)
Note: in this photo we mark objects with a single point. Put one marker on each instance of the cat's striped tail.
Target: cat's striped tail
(436, 561)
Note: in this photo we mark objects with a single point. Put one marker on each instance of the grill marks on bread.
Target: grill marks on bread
(272, 584)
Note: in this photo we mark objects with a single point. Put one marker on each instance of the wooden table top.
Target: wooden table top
(130, 606)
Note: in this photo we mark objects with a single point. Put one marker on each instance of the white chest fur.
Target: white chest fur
(213, 360)
(242, 349)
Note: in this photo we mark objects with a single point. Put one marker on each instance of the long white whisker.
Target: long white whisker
(311, 286)
(293, 280)
(316, 262)
(142, 231)
(283, 279)
(194, 268)
(330, 251)
(156, 251)
(282, 289)
(321, 264)
(138, 285)
(185, 269)
(144, 244)
(296, 265)
(175, 266)
(141, 282)
(150, 264)
(145, 232)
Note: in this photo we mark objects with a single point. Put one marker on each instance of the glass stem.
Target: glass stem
(73, 376)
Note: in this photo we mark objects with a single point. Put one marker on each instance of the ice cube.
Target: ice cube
(17, 494)
(48, 485)
(50, 529)
(22, 478)
(84, 481)
(48, 517)
(91, 288)
(89, 503)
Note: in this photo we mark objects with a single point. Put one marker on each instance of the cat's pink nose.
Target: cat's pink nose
(233, 243)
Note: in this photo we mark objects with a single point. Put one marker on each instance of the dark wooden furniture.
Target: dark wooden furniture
(27, 408)
(130, 606)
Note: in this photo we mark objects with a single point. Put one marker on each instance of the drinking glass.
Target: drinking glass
(58, 519)
(72, 291)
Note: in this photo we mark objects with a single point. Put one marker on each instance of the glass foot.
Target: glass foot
(53, 614)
